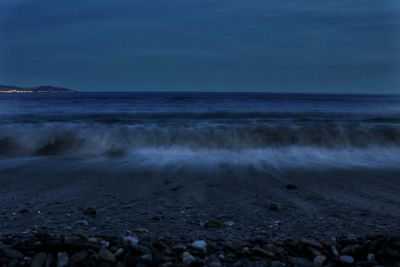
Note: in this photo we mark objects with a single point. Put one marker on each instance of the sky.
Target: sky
(339, 46)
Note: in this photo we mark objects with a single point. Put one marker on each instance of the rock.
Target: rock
(146, 258)
(229, 223)
(311, 242)
(292, 186)
(12, 253)
(131, 240)
(78, 257)
(187, 258)
(24, 211)
(277, 264)
(263, 252)
(213, 224)
(156, 218)
(275, 206)
(39, 260)
(334, 250)
(214, 261)
(300, 262)
(350, 249)
(319, 260)
(140, 250)
(371, 257)
(346, 259)
(246, 251)
(81, 222)
(119, 252)
(106, 255)
(104, 244)
(62, 259)
(90, 212)
(179, 247)
(199, 244)
(49, 260)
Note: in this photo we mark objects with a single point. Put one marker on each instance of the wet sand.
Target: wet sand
(51, 194)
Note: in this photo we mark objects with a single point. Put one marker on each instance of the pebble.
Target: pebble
(179, 247)
(199, 244)
(319, 260)
(213, 224)
(104, 244)
(81, 222)
(277, 264)
(24, 211)
(78, 257)
(300, 262)
(119, 252)
(62, 259)
(229, 223)
(346, 259)
(39, 260)
(131, 240)
(275, 206)
(106, 255)
(311, 242)
(371, 257)
(90, 212)
(187, 258)
(53, 250)
(334, 250)
(292, 186)
(12, 253)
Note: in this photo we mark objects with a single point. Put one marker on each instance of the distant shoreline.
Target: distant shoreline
(7, 89)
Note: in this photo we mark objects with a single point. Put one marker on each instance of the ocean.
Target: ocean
(203, 129)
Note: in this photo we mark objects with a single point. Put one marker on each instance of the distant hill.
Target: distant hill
(38, 89)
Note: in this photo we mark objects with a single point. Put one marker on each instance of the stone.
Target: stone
(187, 258)
(90, 212)
(311, 242)
(292, 186)
(371, 257)
(140, 250)
(213, 224)
(81, 222)
(146, 258)
(277, 264)
(39, 260)
(350, 249)
(106, 255)
(104, 244)
(319, 260)
(275, 206)
(131, 240)
(24, 211)
(263, 252)
(199, 244)
(78, 257)
(12, 253)
(300, 262)
(346, 259)
(62, 259)
(179, 247)
(119, 252)
(334, 250)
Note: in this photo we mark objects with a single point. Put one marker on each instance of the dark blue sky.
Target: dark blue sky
(211, 45)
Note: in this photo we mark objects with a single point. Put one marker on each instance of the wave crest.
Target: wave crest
(116, 139)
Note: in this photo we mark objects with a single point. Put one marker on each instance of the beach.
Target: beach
(111, 167)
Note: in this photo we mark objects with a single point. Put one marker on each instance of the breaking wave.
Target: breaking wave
(84, 138)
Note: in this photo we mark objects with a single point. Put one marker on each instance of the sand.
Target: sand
(51, 194)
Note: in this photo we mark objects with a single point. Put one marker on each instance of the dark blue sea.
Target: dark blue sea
(203, 129)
